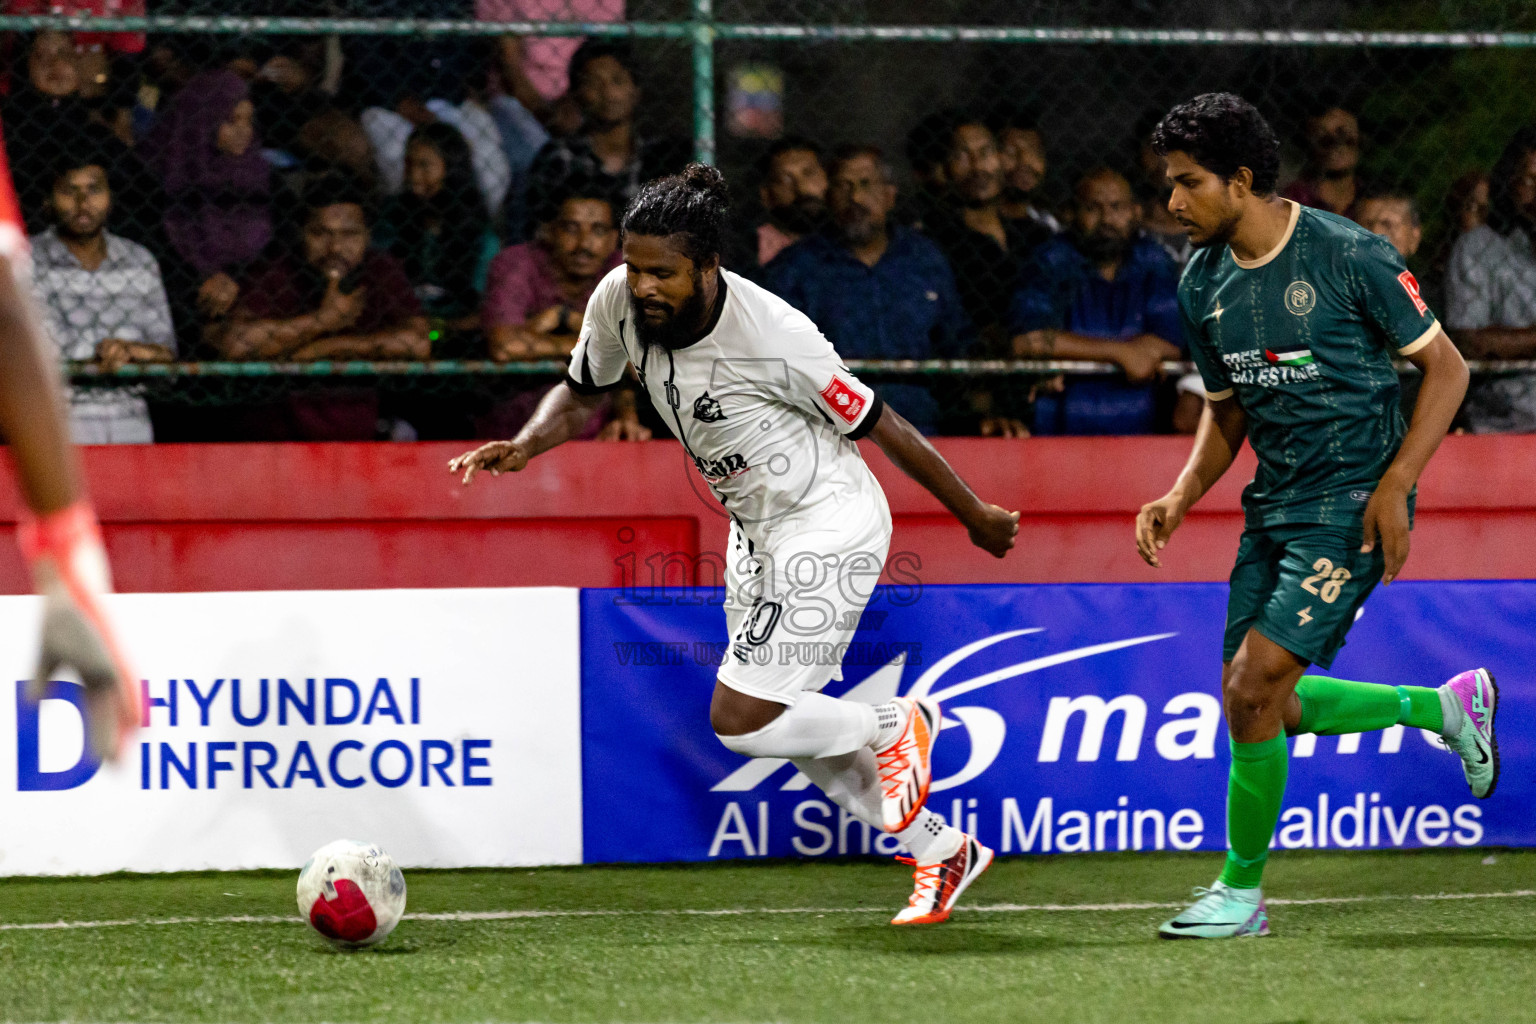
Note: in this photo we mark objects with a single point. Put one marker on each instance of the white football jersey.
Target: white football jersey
(762, 404)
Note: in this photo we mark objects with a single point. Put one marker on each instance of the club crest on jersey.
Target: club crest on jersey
(844, 401)
(707, 410)
(1300, 298)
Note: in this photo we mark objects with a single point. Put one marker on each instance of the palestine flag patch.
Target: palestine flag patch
(1295, 357)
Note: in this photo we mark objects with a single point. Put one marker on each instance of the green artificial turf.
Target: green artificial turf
(1373, 960)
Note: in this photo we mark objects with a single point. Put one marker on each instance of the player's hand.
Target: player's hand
(338, 309)
(994, 530)
(495, 458)
(1155, 524)
(69, 568)
(1386, 519)
(1142, 357)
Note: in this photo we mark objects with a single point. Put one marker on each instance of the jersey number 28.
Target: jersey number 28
(1332, 580)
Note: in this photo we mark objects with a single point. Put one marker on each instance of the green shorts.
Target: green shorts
(1301, 585)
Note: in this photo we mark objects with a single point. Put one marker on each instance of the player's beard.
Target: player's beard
(1220, 235)
(679, 330)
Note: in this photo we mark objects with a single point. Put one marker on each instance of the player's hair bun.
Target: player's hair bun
(692, 204)
(706, 179)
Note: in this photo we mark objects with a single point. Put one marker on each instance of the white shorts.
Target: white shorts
(793, 603)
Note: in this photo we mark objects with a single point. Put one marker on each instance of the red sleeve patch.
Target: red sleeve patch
(1411, 286)
(844, 401)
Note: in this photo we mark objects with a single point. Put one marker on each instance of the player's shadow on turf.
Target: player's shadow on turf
(1437, 940)
(950, 938)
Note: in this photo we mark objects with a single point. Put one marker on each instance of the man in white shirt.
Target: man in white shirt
(769, 415)
(102, 299)
(1490, 291)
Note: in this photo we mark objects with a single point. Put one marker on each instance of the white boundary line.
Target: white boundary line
(519, 915)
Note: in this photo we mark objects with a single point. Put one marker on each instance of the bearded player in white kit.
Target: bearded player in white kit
(769, 415)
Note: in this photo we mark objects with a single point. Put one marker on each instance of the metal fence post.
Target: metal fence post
(703, 81)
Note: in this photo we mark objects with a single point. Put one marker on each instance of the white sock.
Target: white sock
(814, 726)
(892, 718)
(929, 839)
(852, 781)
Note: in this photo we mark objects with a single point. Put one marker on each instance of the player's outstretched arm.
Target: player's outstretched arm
(60, 537)
(992, 528)
(1217, 441)
(560, 416)
(1445, 385)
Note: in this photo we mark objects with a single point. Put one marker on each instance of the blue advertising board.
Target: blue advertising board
(1077, 718)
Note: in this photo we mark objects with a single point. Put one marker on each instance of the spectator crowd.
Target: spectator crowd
(267, 202)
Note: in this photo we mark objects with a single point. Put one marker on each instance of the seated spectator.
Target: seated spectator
(1491, 293)
(535, 299)
(608, 149)
(332, 296)
(875, 289)
(541, 64)
(1328, 181)
(1102, 292)
(437, 228)
(1021, 147)
(47, 120)
(1394, 216)
(430, 82)
(537, 291)
(207, 152)
(793, 192)
(102, 300)
(1466, 209)
(986, 250)
(337, 298)
(294, 94)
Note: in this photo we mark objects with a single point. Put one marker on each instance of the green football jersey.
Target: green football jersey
(1304, 339)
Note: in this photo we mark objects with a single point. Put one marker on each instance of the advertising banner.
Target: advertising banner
(1076, 718)
(443, 725)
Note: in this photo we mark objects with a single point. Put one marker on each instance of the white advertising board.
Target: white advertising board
(444, 725)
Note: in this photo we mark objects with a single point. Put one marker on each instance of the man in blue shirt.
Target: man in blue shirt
(875, 289)
(1104, 292)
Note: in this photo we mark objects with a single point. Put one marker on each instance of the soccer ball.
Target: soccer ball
(351, 893)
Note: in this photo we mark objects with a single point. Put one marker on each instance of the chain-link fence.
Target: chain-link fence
(348, 219)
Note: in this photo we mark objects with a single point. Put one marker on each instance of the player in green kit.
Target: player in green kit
(1294, 317)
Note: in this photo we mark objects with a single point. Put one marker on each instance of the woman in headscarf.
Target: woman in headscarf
(218, 217)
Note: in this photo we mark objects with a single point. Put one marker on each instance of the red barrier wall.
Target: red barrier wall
(262, 517)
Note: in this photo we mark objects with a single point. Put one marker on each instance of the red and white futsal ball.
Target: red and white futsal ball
(352, 893)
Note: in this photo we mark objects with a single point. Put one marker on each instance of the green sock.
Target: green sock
(1254, 791)
(1330, 707)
